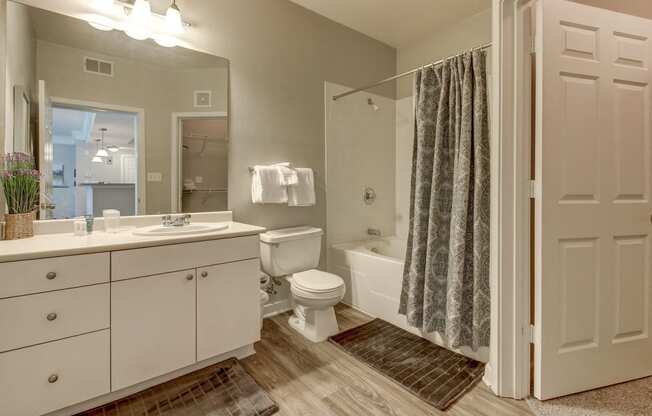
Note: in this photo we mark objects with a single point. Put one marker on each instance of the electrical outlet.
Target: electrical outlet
(154, 176)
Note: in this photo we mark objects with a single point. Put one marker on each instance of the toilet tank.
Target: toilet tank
(290, 250)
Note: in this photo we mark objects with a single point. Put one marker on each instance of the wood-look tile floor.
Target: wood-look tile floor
(321, 379)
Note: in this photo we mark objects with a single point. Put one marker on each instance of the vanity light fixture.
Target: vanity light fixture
(105, 6)
(138, 21)
(173, 20)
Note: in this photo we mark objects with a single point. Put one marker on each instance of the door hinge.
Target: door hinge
(533, 189)
(529, 333)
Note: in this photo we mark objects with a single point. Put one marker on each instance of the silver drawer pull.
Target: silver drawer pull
(53, 378)
(51, 316)
(204, 274)
(51, 275)
(190, 277)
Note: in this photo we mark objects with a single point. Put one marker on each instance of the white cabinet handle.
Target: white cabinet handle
(51, 275)
(190, 277)
(53, 378)
(51, 316)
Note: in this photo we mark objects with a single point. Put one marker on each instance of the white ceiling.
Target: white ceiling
(397, 23)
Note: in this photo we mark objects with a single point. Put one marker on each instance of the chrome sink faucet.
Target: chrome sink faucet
(178, 221)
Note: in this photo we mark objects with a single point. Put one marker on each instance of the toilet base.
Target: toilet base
(315, 324)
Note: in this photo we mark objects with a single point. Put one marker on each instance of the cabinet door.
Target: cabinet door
(227, 307)
(152, 326)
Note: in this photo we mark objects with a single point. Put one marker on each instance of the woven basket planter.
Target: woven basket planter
(19, 226)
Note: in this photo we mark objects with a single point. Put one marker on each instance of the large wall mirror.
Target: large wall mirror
(116, 122)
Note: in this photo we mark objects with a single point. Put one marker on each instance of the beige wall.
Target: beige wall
(21, 61)
(280, 56)
(450, 40)
(642, 8)
(3, 68)
(159, 91)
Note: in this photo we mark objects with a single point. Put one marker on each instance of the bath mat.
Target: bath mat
(432, 373)
(223, 389)
(633, 398)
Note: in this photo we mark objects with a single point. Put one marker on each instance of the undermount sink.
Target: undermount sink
(194, 228)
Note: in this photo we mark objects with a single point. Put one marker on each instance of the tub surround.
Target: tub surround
(88, 320)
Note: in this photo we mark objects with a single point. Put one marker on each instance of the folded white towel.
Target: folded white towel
(303, 193)
(289, 174)
(267, 186)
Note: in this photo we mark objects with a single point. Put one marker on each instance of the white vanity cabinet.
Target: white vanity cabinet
(152, 326)
(84, 329)
(227, 290)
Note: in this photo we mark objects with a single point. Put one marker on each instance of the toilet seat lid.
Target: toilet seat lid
(317, 281)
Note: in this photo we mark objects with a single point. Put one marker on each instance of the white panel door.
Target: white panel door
(593, 211)
(152, 326)
(46, 152)
(228, 307)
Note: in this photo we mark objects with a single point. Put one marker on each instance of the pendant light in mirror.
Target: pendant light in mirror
(101, 151)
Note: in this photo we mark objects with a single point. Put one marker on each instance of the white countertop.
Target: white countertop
(64, 244)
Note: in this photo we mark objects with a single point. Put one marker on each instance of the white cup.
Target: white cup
(79, 227)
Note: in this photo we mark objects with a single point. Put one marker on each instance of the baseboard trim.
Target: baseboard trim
(277, 308)
(239, 353)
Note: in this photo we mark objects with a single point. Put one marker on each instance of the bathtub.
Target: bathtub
(373, 272)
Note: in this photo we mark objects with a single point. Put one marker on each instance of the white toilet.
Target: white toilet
(293, 253)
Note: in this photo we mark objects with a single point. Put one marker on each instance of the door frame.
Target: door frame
(176, 141)
(508, 372)
(141, 184)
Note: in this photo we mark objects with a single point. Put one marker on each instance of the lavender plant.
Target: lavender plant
(20, 183)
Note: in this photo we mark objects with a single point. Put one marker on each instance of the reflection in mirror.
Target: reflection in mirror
(118, 123)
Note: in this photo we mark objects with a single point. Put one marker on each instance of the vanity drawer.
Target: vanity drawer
(51, 376)
(163, 259)
(42, 275)
(33, 319)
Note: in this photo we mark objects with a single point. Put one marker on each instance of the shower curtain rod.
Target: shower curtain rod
(404, 74)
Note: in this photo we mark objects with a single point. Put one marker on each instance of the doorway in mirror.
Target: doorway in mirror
(204, 163)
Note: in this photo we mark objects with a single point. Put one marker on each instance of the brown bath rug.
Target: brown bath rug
(223, 389)
(432, 373)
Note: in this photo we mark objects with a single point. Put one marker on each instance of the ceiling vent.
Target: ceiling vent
(98, 66)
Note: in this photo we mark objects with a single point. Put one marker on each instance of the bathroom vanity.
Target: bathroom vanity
(85, 320)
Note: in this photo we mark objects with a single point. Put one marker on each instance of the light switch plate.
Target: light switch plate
(154, 176)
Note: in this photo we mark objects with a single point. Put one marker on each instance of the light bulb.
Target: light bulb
(173, 21)
(136, 32)
(103, 5)
(101, 23)
(165, 41)
(141, 12)
(102, 153)
(97, 159)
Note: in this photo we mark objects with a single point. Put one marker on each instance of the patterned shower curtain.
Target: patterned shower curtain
(446, 273)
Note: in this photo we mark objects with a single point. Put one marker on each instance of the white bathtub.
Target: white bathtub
(373, 273)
